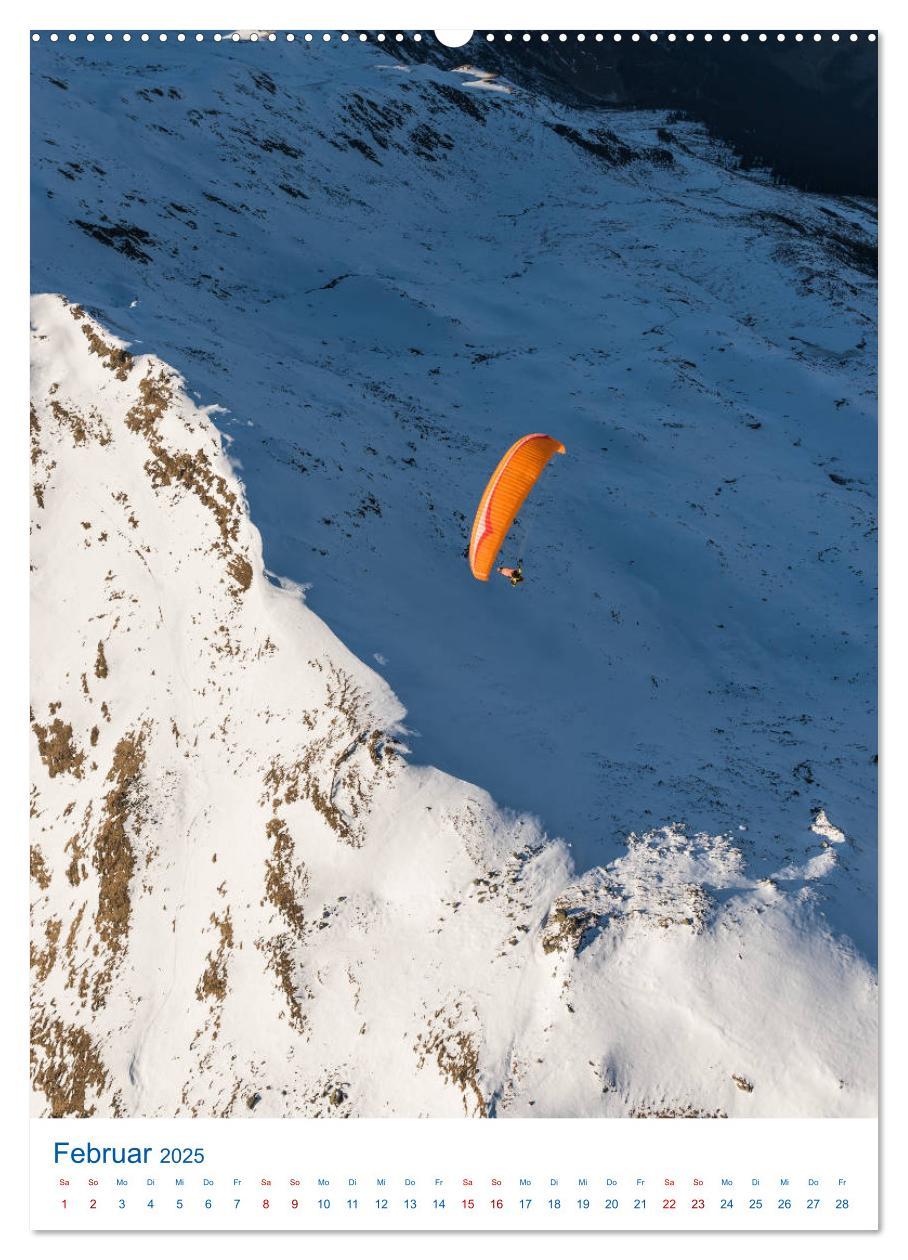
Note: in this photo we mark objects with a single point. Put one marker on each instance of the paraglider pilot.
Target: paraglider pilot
(517, 472)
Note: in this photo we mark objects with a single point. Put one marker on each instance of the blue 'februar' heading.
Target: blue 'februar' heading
(64, 1152)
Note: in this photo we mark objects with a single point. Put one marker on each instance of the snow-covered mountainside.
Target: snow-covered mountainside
(248, 899)
(367, 277)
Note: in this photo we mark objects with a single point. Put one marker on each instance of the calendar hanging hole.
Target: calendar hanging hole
(453, 39)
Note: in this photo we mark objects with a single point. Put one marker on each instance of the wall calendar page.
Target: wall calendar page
(453, 565)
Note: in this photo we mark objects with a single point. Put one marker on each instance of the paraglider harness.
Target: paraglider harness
(515, 575)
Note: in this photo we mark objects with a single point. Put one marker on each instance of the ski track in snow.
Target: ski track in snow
(697, 622)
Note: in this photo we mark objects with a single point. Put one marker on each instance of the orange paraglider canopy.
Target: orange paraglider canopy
(518, 471)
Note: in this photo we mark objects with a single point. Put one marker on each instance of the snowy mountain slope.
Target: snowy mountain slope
(806, 109)
(384, 274)
(249, 900)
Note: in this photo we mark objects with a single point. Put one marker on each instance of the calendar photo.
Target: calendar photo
(453, 577)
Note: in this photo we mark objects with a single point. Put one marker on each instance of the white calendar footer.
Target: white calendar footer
(451, 1174)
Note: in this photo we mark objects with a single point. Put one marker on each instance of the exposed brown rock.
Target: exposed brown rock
(100, 662)
(57, 750)
(113, 855)
(38, 868)
(42, 960)
(66, 1067)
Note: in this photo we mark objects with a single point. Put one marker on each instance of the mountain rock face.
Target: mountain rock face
(604, 844)
(247, 899)
(805, 110)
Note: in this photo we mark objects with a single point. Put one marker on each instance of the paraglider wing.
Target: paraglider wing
(518, 471)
